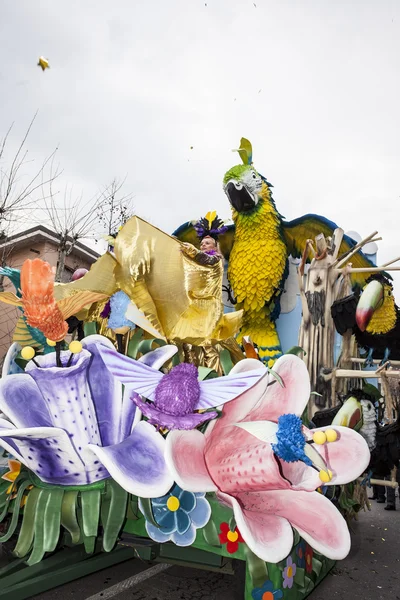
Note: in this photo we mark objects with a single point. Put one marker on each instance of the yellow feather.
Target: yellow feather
(210, 216)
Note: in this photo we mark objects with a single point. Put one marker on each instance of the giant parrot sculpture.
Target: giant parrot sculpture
(257, 247)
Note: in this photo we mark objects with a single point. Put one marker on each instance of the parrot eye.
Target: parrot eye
(254, 175)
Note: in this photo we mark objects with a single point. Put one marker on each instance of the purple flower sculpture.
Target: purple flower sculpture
(177, 395)
(74, 426)
(289, 573)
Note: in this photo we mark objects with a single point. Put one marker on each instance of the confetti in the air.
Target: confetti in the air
(43, 63)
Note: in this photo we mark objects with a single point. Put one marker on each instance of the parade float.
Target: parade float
(141, 419)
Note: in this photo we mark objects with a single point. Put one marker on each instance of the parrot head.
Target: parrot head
(376, 309)
(246, 189)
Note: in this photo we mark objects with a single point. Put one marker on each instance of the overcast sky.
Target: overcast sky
(133, 85)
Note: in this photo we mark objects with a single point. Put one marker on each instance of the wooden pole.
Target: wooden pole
(392, 484)
(361, 361)
(344, 258)
(369, 269)
(358, 374)
(390, 262)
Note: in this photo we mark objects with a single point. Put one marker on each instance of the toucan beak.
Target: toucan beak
(350, 415)
(371, 299)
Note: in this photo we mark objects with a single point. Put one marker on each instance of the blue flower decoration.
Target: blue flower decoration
(118, 305)
(291, 440)
(179, 514)
(301, 554)
(258, 593)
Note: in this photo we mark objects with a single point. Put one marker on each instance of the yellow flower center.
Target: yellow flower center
(319, 438)
(232, 536)
(173, 503)
(290, 572)
(28, 352)
(331, 435)
(325, 476)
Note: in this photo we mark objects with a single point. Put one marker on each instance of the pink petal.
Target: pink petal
(347, 458)
(267, 400)
(184, 455)
(314, 516)
(291, 399)
(270, 537)
(301, 476)
(237, 409)
(239, 462)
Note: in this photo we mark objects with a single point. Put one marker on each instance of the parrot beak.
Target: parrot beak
(239, 197)
(371, 299)
(350, 415)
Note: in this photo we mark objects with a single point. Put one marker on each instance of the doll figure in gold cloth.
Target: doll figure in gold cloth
(177, 288)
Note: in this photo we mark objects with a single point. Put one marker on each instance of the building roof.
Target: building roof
(43, 234)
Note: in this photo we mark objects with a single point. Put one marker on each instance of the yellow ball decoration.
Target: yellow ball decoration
(325, 476)
(75, 347)
(50, 342)
(319, 437)
(331, 435)
(28, 353)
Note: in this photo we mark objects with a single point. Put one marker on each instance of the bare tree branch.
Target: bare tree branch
(114, 211)
(15, 196)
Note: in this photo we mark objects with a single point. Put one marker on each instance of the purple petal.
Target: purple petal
(22, 402)
(48, 452)
(67, 394)
(140, 378)
(10, 367)
(218, 391)
(168, 421)
(105, 390)
(129, 414)
(137, 463)
(158, 357)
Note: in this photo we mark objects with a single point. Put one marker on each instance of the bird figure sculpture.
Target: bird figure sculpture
(24, 334)
(377, 326)
(257, 246)
(358, 412)
(41, 311)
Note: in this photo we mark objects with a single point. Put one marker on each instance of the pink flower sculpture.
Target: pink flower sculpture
(263, 463)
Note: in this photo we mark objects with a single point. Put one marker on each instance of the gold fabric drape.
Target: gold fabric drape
(181, 299)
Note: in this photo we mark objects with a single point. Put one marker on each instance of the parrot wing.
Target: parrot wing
(187, 233)
(298, 231)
